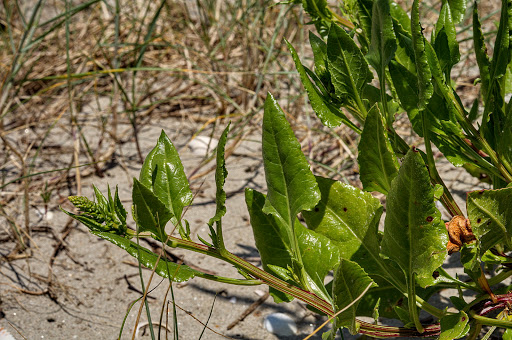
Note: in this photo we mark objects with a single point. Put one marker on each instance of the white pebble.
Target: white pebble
(5, 335)
(202, 144)
(280, 324)
(232, 300)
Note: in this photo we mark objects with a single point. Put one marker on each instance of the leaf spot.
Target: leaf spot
(317, 209)
(479, 220)
(430, 219)
(345, 209)
(435, 274)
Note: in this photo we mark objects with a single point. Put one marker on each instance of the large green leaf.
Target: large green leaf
(291, 185)
(163, 173)
(350, 217)
(149, 212)
(426, 89)
(271, 238)
(172, 270)
(322, 108)
(383, 41)
(347, 65)
(319, 254)
(350, 281)
(490, 214)
(377, 162)
(414, 235)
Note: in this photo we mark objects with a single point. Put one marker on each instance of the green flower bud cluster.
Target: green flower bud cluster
(87, 207)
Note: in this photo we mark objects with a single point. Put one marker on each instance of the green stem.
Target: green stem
(489, 321)
(447, 198)
(262, 275)
(413, 310)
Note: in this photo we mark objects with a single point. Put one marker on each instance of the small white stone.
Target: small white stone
(5, 335)
(202, 144)
(259, 292)
(280, 324)
(233, 300)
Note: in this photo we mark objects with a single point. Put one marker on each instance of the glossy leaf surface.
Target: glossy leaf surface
(458, 9)
(150, 213)
(163, 173)
(414, 235)
(322, 108)
(350, 217)
(291, 185)
(378, 165)
(347, 65)
(426, 89)
(454, 326)
(319, 254)
(350, 281)
(446, 45)
(383, 41)
(491, 216)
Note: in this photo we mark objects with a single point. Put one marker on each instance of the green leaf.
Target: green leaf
(119, 208)
(319, 253)
(453, 326)
(149, 212)
(414, 235)
(445, 40)
(388, 296)
(347, 65)
(319, 48)
(425, 86)
(220, 178)
(291, 185)
(350, 281)
(501, 55)
(504, 147)
(167, 269)
(383, 41)
(400, 15)
(491, 216)
(319, 13)
(481, 52)
(350, 217)
(163, 174)
(458, 9)
(469, 260)
(329, 117)
(404, 54)
(377, 163)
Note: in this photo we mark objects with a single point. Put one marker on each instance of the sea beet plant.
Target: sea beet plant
(389, 273)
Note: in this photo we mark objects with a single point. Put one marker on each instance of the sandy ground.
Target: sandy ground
(94, 282)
